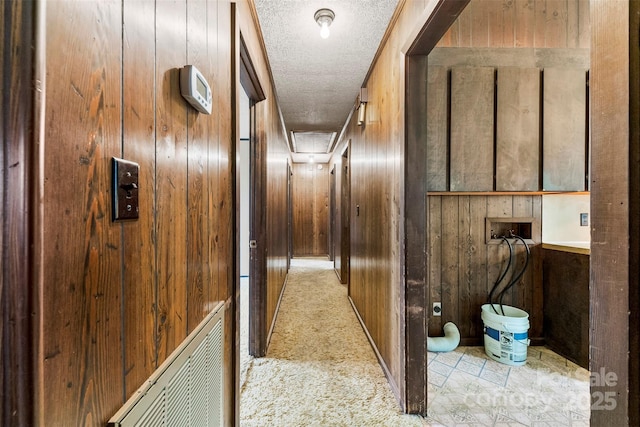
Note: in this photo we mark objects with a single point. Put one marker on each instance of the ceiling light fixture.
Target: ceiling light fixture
(324, 18)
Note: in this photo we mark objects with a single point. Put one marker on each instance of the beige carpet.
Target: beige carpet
(320, 369)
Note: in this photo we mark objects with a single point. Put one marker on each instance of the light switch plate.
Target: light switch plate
(124, 189)
(584, 219)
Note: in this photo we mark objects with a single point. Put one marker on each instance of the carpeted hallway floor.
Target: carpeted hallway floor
(320, 369)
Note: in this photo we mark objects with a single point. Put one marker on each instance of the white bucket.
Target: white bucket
(506, 338)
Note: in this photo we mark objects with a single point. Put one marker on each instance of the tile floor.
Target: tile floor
(466, 388)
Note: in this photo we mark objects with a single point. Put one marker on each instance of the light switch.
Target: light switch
(125, 189)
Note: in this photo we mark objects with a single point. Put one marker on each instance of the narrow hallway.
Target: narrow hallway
(320, 369)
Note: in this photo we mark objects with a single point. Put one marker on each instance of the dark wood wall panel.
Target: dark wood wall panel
(437, 128)
(566, 304)
(611, 192)
(463, 267)
(17, 183)
(519, 122)
(521, 23)
(197, 172)
(171, 179)
(310, 209)
(139, 249)
(564, 132)
(118, 298)
(82, 367)
(472, 121)
(518, 129)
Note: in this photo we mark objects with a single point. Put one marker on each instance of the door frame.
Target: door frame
(248, 79)
(345, 216)
(438, 17)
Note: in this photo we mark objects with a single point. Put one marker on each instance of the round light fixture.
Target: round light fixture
(324, 18)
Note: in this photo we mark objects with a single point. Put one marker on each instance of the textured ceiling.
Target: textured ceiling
(317, 80)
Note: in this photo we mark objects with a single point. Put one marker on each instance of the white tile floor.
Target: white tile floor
(466, 388)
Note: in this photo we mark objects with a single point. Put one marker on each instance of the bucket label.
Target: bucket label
(506, 346)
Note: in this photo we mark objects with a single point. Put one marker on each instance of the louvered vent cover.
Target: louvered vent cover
(187, 390)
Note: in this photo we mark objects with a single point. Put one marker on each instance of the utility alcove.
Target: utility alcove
(500, 82)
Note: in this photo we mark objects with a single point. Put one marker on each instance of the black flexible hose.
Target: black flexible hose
(518, 276)
(502, 276)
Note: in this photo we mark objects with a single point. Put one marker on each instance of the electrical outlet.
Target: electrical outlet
(584, 219)
(437, 309)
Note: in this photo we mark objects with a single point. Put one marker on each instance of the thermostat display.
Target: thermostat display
(195, 89)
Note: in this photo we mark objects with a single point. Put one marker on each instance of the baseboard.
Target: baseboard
(387, 373)
(275, 315)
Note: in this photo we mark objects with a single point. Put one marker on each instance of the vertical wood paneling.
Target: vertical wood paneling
(611, 190)
(498, 255)
(139, 249)
(82, 381)
(521, 23)
(564, 106)
(518, 129)
(451, 259)
(310, 209)
(557, 23)
(171, 178)
(197, 146)
(634, 212)
(117, 298)
(17, 189)
(524, 23)
(566, 301)
(463, 267)
(213, 244)
(472, 103)
(434, 260)
(437, 121)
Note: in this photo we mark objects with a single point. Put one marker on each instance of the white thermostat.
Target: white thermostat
(195, 89)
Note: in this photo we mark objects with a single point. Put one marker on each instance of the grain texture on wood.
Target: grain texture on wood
(472, 121)
(437, 129)
(518, 129)
(564, 129)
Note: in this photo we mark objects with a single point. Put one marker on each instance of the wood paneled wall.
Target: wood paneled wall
(377, 286)
(118, 298)
(615, 198)
(521, 23)
(463, 267)
(487, 122)
(310, 209)
(18, 300)
(275, 159)
(566, 304)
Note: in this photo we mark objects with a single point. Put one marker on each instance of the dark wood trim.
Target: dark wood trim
(19, 214)
(611, 192)
(415, 292)
(258, 254)
(438, 20)
(248, 76)
(332, 213)
(235, 172)
(345, 212)
(634, 213)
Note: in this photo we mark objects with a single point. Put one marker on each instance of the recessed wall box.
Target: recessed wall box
(495, 228)
(195, 89)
